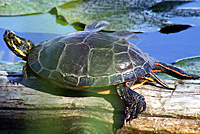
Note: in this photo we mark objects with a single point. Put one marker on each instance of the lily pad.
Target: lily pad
(12, 66)
(143, 15)
(122, 15)
(18, 7)
(190, 65)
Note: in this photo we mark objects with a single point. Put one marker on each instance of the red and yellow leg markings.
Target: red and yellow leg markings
(141, 109)
(157, 71)
(170, 69)
(149, 79)
(135, 85)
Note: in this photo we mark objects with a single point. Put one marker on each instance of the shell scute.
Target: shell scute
(56, 76)
(73, 80)
(44, 73)
(139, 72)
(101, 62)
(75, 37)
(118, 48)
(137, 59)
(117, 78)
(74, 59)
(86, 81)
(122, 62)
(97, 40)
(36, 66)
(130, 75)
(147, 67)
(49, 56)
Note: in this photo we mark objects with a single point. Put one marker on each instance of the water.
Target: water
(169, 48)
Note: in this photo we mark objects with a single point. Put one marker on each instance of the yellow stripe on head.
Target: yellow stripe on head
(17, 50)
(18, 39)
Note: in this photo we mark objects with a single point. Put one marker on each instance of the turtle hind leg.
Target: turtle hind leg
(173, 71)
(134, 102)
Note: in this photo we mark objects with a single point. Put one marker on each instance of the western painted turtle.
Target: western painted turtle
(90, 59)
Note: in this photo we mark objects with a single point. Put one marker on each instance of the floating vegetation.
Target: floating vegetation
(11, 66)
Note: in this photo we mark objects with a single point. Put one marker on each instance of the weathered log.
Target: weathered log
(32, 106)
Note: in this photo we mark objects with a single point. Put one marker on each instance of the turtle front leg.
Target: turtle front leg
(134, 102)
(26, 71)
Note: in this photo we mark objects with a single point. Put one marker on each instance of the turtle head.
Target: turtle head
(18, 45)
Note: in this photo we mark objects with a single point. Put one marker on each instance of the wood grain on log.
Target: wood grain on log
(31, 105)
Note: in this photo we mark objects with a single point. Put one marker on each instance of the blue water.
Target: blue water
(171, 47)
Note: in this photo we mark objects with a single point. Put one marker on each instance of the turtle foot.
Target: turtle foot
(134, 103)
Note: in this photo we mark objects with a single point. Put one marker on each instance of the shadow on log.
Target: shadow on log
(28, 105)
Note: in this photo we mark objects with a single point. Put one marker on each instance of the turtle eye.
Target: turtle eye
(10, 34)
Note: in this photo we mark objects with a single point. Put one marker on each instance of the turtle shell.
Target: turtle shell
(89, 59)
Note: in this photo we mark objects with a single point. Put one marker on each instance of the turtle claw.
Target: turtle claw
(134, 103)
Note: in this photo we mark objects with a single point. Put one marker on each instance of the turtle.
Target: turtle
(93, 59)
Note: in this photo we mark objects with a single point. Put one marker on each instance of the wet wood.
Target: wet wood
(34, 106)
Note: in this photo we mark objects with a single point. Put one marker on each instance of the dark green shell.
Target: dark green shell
(87, 58)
